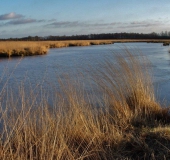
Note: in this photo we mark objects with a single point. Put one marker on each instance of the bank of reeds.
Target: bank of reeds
(127, 123)
(25, 48)
(8, 49)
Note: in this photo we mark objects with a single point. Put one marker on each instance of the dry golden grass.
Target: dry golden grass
(8, 49)
(27, 48)
(127, 124)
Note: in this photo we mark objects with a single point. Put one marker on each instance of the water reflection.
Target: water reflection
(46, 70)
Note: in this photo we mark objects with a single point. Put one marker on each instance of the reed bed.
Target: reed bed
(27, 48)
(127, 123)
(8, 49)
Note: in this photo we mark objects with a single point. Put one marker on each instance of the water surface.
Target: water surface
(45, 70)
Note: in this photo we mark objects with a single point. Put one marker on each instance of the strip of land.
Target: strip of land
(30, 48)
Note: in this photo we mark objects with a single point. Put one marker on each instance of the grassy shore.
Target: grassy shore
(25, 48)
(127, 123)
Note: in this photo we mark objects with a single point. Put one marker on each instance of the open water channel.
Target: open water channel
(47, 69)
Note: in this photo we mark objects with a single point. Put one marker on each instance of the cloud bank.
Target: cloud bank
(22, 21)
(139, 26)
(66, 24)
(9, 16)
(16, 19)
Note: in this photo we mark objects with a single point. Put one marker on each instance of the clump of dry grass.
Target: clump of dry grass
(127, 124)
(8, 49)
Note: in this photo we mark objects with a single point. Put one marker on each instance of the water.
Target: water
(45, 70)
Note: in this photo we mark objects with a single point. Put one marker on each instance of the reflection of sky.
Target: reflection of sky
(23, 18)
(75, 61)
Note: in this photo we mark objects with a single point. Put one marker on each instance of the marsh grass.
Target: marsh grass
(8, 49)
(26, 48)
(128, 123)
(30, 48)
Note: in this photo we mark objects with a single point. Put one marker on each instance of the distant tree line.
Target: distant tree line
(124, 35)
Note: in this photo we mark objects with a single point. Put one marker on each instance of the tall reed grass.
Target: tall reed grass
(8, 49)
(128, 122)
(30, 48)
(27, 48)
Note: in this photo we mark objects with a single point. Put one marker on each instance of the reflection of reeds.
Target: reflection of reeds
(165, 43)
(127, 124)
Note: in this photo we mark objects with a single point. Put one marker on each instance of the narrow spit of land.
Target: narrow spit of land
(30, 48)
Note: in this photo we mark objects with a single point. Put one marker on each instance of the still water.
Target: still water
(47, 69)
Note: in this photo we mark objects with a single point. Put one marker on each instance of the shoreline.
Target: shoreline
(31, 48)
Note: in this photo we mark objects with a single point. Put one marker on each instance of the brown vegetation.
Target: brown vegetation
(8, 49)
(127, 124)
(27, 48)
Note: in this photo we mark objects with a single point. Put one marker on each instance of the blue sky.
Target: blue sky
(19, 18)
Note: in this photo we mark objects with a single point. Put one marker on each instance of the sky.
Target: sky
(22, 18)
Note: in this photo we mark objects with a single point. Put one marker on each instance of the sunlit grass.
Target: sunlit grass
(8, 49)
(128, 122)
(26, 48)
(30, 48)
